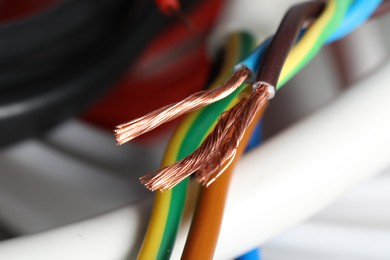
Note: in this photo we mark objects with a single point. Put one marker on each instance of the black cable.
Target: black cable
(54, 26)
(46, 61)
(42, 103)
(20, 62)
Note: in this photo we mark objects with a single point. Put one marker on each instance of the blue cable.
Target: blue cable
(357, 14)
(252, 62)
(254, 254)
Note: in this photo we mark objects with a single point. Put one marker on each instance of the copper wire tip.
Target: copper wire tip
(218, 150)
(130, 130)
(169, 176)
(219, 162)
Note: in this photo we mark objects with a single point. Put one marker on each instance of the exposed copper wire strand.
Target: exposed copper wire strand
(128, 131)
(169, 176)
(217, 151)
(212, 167)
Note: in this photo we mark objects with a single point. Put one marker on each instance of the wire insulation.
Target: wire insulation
(359, 12)
(159, 245)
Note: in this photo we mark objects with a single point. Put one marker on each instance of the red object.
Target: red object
(172, 67)
(166, 6)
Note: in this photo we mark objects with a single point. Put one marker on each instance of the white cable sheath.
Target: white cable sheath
(256, 17)
(331, 241)
(112, 236)
(275, 187)
(367, 205)
(308, 166)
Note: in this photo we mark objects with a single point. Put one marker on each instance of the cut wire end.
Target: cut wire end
(215, 166)
(217, 151)
(169, 176)
(130, 130)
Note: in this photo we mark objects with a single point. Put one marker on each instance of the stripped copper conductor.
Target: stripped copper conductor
(217, 151)
(212, 168)
(130, 130)
(169, 176)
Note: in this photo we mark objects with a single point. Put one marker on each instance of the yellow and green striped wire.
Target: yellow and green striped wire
(168, 205)
(312, 41)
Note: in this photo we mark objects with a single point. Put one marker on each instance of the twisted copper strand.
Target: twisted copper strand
(169, 176)
(212, 168)
(130, 130)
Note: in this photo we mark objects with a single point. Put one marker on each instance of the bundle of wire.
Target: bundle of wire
(273, 63)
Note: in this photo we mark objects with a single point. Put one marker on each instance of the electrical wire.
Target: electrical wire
(159, 239)
(262, 180)
(206, 223)
(208, 166)
(264, 88)
(256, 137)
(127, 131)
(204, 231)
(357, 14)
(269, 72)
(225, 143)
(251, 255)
(325, 24)
(254, 141)
(384, 8)
(311, 11)
(210, 209)
(354, 18)
(290, 28)
(310, 43)
(284, 40)
(252, 62)
(176, 57)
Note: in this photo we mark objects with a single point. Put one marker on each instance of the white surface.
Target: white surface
(367, 206)
(291, 178)
(76, 173)
(41, 188)
(335, 241)
(107, 237)
(260, 18)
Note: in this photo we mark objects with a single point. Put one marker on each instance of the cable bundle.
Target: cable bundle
(303, 31)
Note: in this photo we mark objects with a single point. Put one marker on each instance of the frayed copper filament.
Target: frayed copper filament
(128, 131)
(169, 176)
(212, 168)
